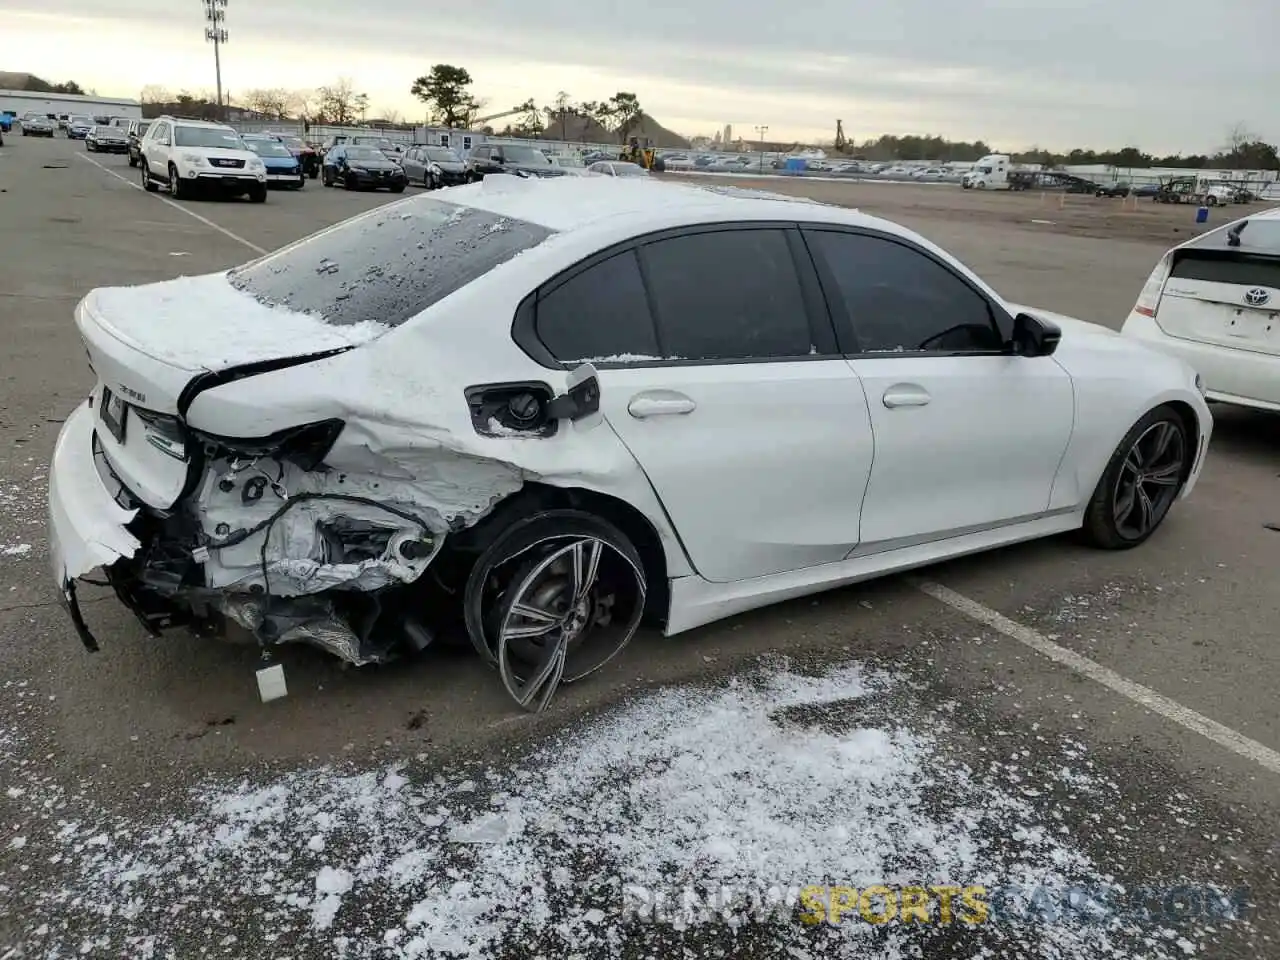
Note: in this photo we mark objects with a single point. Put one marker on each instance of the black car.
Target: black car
(435, 167)
(136, 130)
(362, 168)
(1113, 190)
(509, 158)
(106, 140)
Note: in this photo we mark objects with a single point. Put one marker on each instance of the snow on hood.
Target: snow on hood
(204, 323)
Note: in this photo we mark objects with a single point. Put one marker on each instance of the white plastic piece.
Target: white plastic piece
(271, 685)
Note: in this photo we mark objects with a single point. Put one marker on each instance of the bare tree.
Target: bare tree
(391, 116)
(304, 103)
(339, 102)
(154, 93)
(273, 103)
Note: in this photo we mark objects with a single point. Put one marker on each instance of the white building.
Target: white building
(18, 102)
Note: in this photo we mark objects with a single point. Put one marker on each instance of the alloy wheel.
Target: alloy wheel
(566, 612)
(1150, 477)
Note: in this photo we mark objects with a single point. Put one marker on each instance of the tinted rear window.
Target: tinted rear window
(388, 264)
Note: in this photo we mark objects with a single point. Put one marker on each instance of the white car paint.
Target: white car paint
(1211, 324)
(989, 173)
(162, 148)
(751, 501)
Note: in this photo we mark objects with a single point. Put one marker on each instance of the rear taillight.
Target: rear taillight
(163, 432)
(1149, 299)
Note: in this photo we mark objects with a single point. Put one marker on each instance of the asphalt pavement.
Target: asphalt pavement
(1160, 663)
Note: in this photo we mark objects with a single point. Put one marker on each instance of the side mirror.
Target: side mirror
(1034, 336)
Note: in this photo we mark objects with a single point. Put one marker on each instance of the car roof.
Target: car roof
(571, 203)
(196, 123)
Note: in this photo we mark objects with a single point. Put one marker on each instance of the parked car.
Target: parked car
(136, 130)
(107, 140)
(189, 155)
(362, 168)
(571, 165)
(1214, 301)
(293, 457)
(6, 121)
(1146, 189)
(617, 168)
(308, 156)
(78, 127)
(511, 158)
(1121, 189)
(283, 168)
(435, 167)
(393, 150)
(37, 125)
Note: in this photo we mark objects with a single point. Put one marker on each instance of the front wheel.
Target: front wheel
(554, 598)
(349, 182)
(1141, 482)
(258, 193)
(398, 188)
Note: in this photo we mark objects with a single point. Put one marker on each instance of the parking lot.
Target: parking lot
(984, 650)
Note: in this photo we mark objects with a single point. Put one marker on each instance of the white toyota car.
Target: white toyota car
(1214, 301)
(536, 411)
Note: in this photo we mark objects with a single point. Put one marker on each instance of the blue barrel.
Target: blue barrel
(794, 165)
(1202, 215)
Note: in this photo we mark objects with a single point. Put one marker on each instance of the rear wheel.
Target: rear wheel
(148, 184)
(554, 598)
(1142, 480)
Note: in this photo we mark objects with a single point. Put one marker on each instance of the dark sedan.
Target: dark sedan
(1113, 190)
(78, 127)
(435, 167)
(520, 160)
(37, 125)
(107, 140)
(362, 168)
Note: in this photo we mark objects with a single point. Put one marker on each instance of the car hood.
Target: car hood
(450, 166)
(289, 161)
(374, 164)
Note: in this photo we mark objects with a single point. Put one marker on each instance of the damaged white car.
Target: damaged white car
(536, 412)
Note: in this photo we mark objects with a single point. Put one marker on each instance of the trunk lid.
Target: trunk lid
(1229, 298)
(148, 345)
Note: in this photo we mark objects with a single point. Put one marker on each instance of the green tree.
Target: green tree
(446, 90)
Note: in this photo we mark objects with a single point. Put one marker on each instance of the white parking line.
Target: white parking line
(1224, 736)
(177, 206)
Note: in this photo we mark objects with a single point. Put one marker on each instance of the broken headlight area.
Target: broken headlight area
(287, 547)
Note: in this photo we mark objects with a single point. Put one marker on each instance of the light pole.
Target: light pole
(761, 131)
(215, 15)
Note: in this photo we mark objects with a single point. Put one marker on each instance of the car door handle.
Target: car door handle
(905, 395)
(660, 403)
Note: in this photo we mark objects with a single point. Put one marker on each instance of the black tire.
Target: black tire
(327, 178)
(177, 189)
(148, 184)
(398, 188)
(518, 551)
(350, 183)
(1155, 456)
(133, 161)
(426, 181)
(258, 193)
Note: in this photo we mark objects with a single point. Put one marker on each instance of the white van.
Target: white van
(988, 173)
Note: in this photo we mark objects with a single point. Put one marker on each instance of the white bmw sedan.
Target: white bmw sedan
(541, 410)
(1214, 301)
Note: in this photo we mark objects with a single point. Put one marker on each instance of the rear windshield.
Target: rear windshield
(1259, 235)
(389, 264)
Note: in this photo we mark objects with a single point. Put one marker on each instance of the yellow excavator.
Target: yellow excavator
(646, 156)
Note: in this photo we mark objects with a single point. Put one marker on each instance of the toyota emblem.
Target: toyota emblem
(1257, 297)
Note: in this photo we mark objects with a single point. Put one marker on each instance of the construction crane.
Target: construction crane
(481, 121)
(842, 142)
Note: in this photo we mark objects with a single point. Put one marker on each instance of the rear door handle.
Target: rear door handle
(906, 395)
(660, 403)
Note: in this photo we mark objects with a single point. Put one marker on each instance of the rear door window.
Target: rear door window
(389, 264)
(728, 295)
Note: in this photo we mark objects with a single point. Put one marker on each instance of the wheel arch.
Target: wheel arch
(1189, 419)
(462, 548)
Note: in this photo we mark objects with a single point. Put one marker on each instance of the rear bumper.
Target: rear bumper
(87, 528)
(1238, 377)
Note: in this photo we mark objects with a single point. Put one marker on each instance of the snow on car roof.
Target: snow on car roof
(568, 203)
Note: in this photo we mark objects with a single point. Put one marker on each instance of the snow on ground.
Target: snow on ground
(769, 783)
(22, 506)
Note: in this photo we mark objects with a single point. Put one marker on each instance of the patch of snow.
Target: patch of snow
(775, 782)
(15, 550)
(205, 323)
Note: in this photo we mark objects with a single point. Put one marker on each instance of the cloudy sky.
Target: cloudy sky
(1168, 75)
